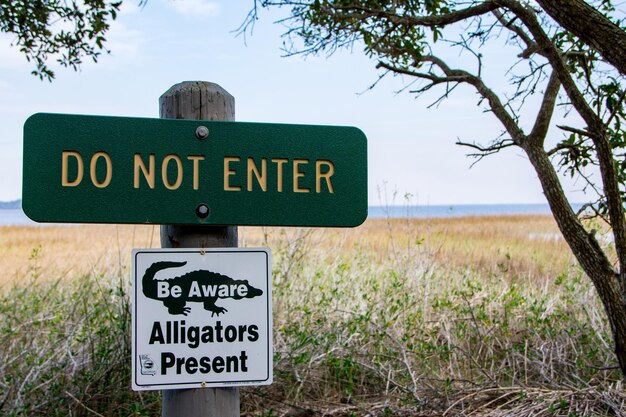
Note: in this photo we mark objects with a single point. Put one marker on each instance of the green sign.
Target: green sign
(97, 169)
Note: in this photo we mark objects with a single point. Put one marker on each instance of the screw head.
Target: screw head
(202, 132)
(203, 211)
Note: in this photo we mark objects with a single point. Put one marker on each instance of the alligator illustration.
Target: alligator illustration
(197, 286)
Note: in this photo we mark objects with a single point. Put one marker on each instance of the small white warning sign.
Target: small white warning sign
(201, 318)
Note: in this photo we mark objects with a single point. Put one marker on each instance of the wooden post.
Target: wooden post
(199, 100)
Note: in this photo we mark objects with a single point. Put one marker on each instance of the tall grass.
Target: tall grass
(65, 347)
(386, 326)
(398, 317)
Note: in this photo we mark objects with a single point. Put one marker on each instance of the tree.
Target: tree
(561, 60)
(67, 31)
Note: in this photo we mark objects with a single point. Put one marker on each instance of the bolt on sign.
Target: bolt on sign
(201, 318)
(99, 169)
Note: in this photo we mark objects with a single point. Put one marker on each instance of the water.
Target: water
(14, 217)
(17, 217)
(460, 210)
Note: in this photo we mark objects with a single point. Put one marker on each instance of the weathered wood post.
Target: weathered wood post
(199, 100)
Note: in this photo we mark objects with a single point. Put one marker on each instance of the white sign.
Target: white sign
(201, 318)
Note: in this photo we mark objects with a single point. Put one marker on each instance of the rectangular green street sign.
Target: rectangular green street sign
(101, 169)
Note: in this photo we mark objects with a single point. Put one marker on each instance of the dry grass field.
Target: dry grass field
(485, 316)
(520, 245)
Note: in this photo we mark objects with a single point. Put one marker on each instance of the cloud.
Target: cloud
(195, 8)
(126, 42)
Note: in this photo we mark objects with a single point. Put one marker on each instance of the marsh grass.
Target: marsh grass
(70, 251)
(475, 316)
(64, 346)
(388, 327)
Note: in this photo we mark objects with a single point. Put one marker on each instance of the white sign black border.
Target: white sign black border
(214, 384)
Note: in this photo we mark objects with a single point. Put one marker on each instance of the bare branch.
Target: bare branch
(544, 116)
(555, 57)
(483, 151)
(589, 184)
(427, 21)
(531, 45)
(562, 147)
(461, 76)
(582, 212)
(574, 130)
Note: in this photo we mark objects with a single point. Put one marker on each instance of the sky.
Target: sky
(412, 156)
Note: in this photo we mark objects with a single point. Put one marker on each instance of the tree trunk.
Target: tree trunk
(592, 27)
(586, 249)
